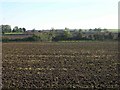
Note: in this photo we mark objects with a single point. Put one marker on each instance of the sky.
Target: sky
(58, 14)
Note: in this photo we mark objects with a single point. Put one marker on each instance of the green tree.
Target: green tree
(80, 30)
(110, 35)
(24, 30)
(20, 30)
(5, 28)
(66, 28)
(90, 37)
(67, 34)
(79, 34)
(90, 30)
(15, 29)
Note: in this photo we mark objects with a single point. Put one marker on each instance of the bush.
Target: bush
(5, 39)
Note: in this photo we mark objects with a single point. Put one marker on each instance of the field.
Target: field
(14, 33)
(60, 65)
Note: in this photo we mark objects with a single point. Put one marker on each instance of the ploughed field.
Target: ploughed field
(60, 65)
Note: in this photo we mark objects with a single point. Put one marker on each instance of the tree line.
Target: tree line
(8, 29)
(63, 35)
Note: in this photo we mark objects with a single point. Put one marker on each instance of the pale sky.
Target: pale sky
(44, 14)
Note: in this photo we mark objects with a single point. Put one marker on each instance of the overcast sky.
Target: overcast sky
(44, 14)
